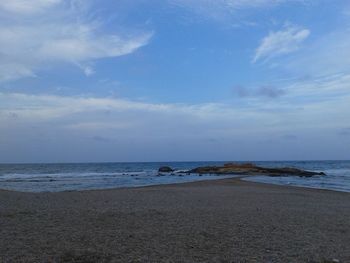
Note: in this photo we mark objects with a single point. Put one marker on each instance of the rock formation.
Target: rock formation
(251, 169)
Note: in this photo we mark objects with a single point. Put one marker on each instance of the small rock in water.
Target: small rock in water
(165, 169)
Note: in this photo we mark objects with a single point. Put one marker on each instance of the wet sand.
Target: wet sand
(213, 221)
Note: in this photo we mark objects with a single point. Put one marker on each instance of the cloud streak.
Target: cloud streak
(280, 43)
(221, 9)
(62, 33)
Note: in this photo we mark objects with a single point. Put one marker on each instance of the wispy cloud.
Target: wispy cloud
(328, 55)
(228, 5)
(281, 42)
(63, 32)
(221, 9)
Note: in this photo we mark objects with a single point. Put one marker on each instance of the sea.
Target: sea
(90, 176)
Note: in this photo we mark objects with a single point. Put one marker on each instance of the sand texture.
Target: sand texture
(214, 221)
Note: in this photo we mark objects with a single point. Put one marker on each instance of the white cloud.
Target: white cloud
(47, 107)
(281, 42)
(138, 130)
(62, 33)
(306, 104)
(27, 7)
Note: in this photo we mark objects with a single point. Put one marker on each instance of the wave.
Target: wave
(24, 176)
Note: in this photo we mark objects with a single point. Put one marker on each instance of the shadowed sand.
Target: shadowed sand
(213, 221)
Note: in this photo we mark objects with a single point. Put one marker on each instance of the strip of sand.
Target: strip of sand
(211, 221)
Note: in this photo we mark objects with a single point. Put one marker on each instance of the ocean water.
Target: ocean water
(87, 176)
(337, 176)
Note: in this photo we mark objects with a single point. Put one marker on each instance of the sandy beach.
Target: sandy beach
(211, 221)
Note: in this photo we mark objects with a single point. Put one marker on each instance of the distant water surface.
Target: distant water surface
(87, 176)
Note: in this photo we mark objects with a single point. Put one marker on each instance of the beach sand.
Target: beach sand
(211, 221)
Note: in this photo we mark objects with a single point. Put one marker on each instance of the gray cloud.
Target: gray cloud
(78, 129)
(289, 137)
(345, 132)
(101, 139)
(262, 91)
(13, 116)
(270, 92)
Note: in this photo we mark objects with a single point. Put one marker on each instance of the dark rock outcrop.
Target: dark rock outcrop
(251, 169)
(165, 169)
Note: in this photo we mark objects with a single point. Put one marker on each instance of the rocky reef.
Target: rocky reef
(252, 169)
(243, 169)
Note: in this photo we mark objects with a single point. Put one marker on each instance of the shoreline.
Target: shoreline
(224, 220)
(297, 186)
(239, 178)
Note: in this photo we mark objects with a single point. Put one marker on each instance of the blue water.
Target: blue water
(337, 176)
(87, 176)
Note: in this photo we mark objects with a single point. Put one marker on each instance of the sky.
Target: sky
(174, 80)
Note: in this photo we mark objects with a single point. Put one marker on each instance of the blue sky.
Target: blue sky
(174, 80)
